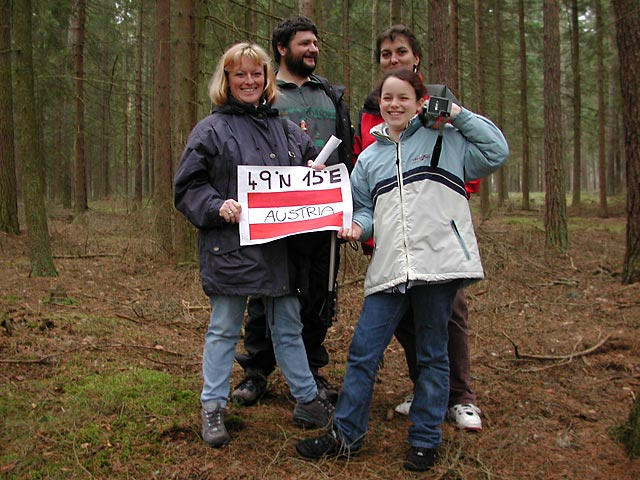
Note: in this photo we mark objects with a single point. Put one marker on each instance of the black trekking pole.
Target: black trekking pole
(330, 302)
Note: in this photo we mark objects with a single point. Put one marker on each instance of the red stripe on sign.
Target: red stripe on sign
(295, 198)
(259, 231)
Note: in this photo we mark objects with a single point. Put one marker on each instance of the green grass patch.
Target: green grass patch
(70, 424)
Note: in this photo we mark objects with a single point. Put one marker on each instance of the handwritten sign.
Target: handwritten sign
(282, 201)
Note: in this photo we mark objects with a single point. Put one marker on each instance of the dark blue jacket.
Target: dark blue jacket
(236, 134)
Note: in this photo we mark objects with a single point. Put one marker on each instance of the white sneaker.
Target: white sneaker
(465, 416)
(403, 408)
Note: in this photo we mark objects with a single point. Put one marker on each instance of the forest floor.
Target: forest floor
(100, 372)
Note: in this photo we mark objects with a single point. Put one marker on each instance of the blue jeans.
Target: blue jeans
(379, 318)
(283, 317)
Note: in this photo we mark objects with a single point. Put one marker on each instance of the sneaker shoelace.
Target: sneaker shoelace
(214, 419)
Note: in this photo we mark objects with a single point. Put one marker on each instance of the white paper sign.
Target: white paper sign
(281, 201)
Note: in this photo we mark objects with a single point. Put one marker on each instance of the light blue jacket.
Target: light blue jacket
(417, 211)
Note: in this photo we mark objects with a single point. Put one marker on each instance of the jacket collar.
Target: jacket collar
(236, 107)
(381, 131)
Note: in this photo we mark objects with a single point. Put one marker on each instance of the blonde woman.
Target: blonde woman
(243, 129)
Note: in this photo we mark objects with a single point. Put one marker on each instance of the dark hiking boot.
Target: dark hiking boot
(420, 459)
(316, 413)
(251, 389)
(329, 390)
(326, 445)
(214, 432)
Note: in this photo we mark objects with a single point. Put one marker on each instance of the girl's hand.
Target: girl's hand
(350, 234)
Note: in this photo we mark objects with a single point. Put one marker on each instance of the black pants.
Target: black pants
(310, 254)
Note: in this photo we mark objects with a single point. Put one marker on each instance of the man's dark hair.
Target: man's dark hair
(287, 29)
(391, 33)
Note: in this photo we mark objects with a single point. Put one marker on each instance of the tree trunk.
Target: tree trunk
(80, 166)
(305, 7)
(396, 12)
(162, 128)
(125, 111)
(138, 101)
(374, 37)
(8, 184)
(575, 67)
(28, 147)
(346, 59)
(454, 17)
(628, 40)
(524, 111)
(555, 219)
(251, 20)
(613, 177)
(602, 159)
(503, 193)
(184, 54)
(438, 20)
(485, 186)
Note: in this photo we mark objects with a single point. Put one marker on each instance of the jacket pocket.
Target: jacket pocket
(460, 240)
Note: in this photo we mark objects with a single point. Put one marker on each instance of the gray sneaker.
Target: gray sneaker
(214, 432)
(317, 413)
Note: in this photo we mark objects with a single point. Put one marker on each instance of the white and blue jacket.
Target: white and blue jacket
(417, 210)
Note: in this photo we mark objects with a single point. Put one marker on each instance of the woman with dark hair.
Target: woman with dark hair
(425, 251)
(243, 129)
(397, 47)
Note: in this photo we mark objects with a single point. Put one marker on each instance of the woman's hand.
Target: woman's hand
(230, 211)
(315, 167)
(350, 234)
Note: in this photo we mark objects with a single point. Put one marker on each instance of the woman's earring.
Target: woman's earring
(415, 69)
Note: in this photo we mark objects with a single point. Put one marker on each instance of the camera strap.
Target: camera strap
(435, 155)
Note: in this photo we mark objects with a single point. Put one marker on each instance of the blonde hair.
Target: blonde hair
(219, 83)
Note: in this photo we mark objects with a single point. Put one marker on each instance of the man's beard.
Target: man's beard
(297, 66)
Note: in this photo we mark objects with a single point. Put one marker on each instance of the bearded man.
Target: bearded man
(321, 110)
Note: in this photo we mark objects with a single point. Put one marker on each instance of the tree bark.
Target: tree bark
(251, 20)
(184, 55)
(28, 147)
(602, 159)
(162, 128)
(438, 20)
(524, 111)
(396, 12)
(455, 65)
(613, 175)
(305, 7)
(555, 202)
(346, 58)
(485, 186)
(138, 107)
(628, 41)
(577, 140)
(8, 183)
(503, 192)
(80, 166)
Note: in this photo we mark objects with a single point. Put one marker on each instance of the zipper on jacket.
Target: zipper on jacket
(460, 240)
(400, 189)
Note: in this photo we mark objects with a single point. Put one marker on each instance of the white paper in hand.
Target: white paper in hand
(327, 150)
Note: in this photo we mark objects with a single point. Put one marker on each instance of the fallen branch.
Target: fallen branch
(80, 255)
(557, 357)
